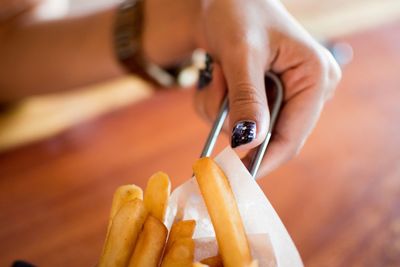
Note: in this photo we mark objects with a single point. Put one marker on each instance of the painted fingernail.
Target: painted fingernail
(243, 133)
(205, 75)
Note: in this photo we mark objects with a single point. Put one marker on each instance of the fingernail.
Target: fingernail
(243, 133)
(205, 75)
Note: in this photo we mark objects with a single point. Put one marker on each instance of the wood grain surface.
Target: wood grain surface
(340, 198)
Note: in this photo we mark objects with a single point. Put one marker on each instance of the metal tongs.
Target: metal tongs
(274, 90)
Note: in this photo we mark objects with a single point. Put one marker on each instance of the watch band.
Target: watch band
(127, 41)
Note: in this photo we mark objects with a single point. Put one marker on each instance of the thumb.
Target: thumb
(249, 115)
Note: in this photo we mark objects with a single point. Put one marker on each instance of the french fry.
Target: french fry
(224, 213)
(181, 229)
(150, 245)
(156, 195)
(215, 261)
(181, 254)
(125, 229)
(122, 195)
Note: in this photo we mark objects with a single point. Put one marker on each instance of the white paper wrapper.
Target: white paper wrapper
(270, 242)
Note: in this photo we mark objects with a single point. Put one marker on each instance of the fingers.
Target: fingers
(243, 70)
(307, 87)
(297, 118)
(248, 108)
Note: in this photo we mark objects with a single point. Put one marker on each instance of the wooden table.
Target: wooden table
(339, 199)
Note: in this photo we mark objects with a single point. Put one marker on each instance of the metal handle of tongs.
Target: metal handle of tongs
(222, 114)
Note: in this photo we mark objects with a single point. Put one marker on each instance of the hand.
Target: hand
(246, 40)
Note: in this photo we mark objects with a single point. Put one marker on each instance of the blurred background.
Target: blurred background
(62, 155)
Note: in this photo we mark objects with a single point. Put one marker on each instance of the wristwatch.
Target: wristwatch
(128, 31)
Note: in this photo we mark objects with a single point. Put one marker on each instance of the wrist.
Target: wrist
(128, 35)
(170, 30)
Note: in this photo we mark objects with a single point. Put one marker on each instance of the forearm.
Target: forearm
(49, 56)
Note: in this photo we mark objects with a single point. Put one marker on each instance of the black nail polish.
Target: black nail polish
(244, 132)
(205, 75)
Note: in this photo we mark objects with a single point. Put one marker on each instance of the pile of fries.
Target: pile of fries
(137, 236)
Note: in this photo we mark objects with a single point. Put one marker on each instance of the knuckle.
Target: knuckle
(245, 42)
(246, 95)
(253, 47)
(327, 70)
(319, 64)
(331, 67)
(334, 77)
(335, 73)
(237, 43)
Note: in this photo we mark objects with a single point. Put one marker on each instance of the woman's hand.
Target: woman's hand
(247, 39)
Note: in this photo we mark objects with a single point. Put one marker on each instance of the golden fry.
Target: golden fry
(124, 231)
(215, 261)
(181, 254)
(181, 229)
(157, 194)
(224, 213)
(149, 247)
(122, 195)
